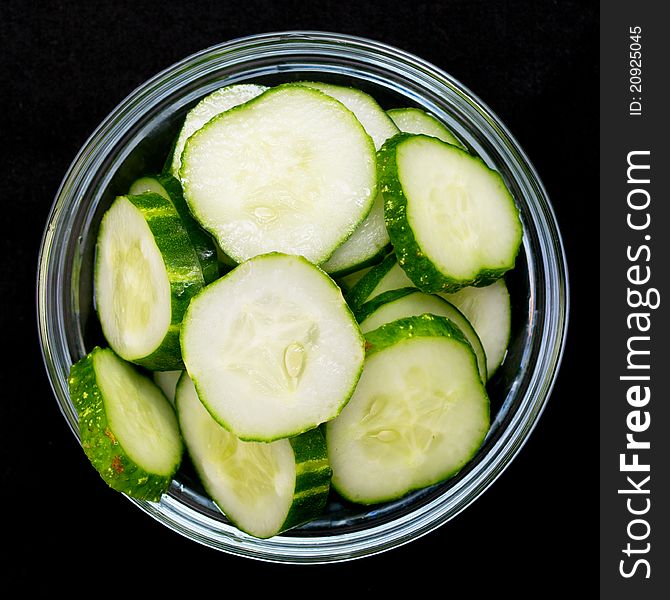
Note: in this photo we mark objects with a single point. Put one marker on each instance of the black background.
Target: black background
(65, 65)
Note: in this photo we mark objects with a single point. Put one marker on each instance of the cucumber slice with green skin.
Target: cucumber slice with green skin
(419, 414)
(128, 429)
(408, 302)
(262, 488)
(451, 219)
(490, 312)
(384, 277)
(366, 246)
(146, 272)
(379, 126)
(209, 107)
(415, 120)
(291, 171)
(272, 348)
(168, 187)
(370, 241)
(347, 282)
(167, 382)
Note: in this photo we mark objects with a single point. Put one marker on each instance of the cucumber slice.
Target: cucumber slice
(168, 187)
(128, 429)
(370, 241)
(209, 107)
(451, 219)
(384, 277)
(366, 246)
(291, 171)
(489, 310)
(146, 271)
(419, 413)
(167, 382)
(415, 120)
(272, 348)
(379, 126)
(262, 488)
(408, 302)
(347, 282)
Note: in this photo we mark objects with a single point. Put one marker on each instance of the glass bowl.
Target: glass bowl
(134, 139)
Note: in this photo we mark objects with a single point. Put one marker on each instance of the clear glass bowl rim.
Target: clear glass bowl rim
(550, 255)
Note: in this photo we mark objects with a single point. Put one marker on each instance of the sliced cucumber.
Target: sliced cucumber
(384, 277)
(167, 382)
(292, 171)
(262, 488)
(408, 302)
(209, 107)
(419, 413)
(347, 282)
(379, 126)
(371, 240)
(148, 183)
(128, 429)
(168, 187)
(272, 348)
(146, 272)
(451, 219)
(489, 310)
(415, 120)
(366, 246)
(261, 363)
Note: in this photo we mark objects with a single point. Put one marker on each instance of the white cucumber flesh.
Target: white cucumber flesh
(146, 271)
(131, 273)
(148, 184)
(263, 488)
(272, 348)
(141, 421)
(379, 126)
(415, 120)
(371, 238)
(452, 220)
(128, 429)
(465, 228)
(290, 171)
(209, 107)
(419, 414)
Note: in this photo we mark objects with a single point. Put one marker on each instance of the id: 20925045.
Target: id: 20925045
(635, 70)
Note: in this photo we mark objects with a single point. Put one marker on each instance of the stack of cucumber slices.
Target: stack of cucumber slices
(309, 301)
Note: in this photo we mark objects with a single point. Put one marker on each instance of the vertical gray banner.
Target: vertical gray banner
(634, 296)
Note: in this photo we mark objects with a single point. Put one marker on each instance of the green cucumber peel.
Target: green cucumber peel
(410, 255)
(99, 442)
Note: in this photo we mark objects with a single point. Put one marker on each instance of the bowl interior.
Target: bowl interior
(136, 142)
